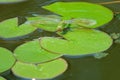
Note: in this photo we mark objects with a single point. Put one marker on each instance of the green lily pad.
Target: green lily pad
(9, 28)
(1, 78)
(46, 70)
(10, 1)
(6, 59)
(45, 22)
(31, 52)
(78, 42)
(87, 12)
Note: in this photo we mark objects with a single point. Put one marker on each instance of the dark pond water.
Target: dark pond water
(85, 68)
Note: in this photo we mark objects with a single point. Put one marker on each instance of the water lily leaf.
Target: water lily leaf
(45, 22)
(31, 52)
(9, 28)
(87, 12)
(1, 78)
(46, 70)
(10, 1)
(6, 59)
(79, 42)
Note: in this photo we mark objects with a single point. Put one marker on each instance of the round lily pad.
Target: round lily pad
(87, 12)
(31, 52)
(1, 78)
(6, 59)
(42, 71)
(9, 28)
(78, 42)
(45, 22)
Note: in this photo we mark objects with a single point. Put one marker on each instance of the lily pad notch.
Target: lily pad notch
(10, 29)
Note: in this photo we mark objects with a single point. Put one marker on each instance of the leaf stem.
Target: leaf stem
(110, 2)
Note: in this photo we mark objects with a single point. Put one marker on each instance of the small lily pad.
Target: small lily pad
(6, 59)
(9, 28)
(31, 52)
(42, 71)
(78, 42)
(83, 10)
(1, 78)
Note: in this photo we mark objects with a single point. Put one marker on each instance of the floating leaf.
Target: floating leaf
(46, 70)
(6, 59)
(1, 78)
(9, 28)
(79, 42)
(31, 52)
(83, 10)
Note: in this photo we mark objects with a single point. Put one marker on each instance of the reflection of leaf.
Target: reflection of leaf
(42, 71)
(83, 10)
(31, 52)
(9, 28)
(79, 42)
(6, 59)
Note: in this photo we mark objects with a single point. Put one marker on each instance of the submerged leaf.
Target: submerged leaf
(86, 11)
(79, 42)
(31, 52)
(45, 22)
(42, 71)
(56, 23)
(6, 59)
(9, 28)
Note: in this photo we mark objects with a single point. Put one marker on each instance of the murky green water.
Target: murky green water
(85, 68)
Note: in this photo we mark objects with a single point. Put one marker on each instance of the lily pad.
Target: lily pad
(83, 10)
(45, 22)
(6, 59)
(1, 78)
(78, 42)
(9, 28)
(42, 71)
(31, 52)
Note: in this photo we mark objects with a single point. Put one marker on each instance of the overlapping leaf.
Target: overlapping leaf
(79, 42)
(31, 52)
